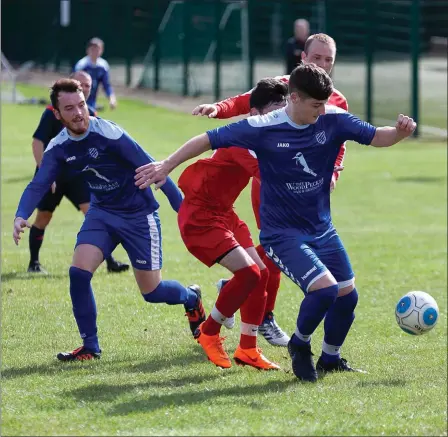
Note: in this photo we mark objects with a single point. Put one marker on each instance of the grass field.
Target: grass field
(390, 209)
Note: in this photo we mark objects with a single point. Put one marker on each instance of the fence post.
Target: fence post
(128, 37)
(156, 53)
(186, 47)
(415, 50)
(217, 50)
(370, 48)
(251, 55)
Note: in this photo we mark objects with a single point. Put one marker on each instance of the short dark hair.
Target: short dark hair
(268, 91)
(309, 80)
(66, 86)
(322, 37)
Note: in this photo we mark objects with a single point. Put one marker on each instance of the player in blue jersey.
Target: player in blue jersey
(98, 68)
(77, 190)
(296, 149)
(119, 212)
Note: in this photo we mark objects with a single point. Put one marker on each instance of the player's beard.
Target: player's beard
(77, 125)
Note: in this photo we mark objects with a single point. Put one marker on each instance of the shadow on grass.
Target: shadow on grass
(109, 392)
(197, 396)
(382, 383)
(128, 364)
(421, 179)
(11, 276)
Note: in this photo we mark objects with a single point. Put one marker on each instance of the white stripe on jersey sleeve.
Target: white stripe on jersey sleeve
(270, 119)
(60, 138)
(106, 128)
(82, 63)
(101, 62)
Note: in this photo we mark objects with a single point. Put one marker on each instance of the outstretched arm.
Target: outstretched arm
(388, 136)
(35, 191)
(157, 172)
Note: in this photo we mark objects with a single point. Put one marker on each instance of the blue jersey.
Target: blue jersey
(100, 75)
(296, 164)
(107, 156)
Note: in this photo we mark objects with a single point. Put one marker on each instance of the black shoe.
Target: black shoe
(114, 266)
(196, 315)
(36, 267)
(340, 365)
(302, 362)
(80, 354)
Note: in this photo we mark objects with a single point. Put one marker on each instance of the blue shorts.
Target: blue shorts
(306, 258)
(140, 236)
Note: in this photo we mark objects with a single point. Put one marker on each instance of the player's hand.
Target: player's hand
(333, 183)
(19, 225)
(153, 173)
(112, 102)
(53, 187)
(338, 168)
(405, 126)
(206, 109)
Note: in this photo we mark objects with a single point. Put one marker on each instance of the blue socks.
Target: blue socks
(338, 321)
(172, 293)
(84, 307)
(312, 311)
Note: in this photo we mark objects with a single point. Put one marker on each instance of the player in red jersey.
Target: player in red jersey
(213, 233)
(320, 49)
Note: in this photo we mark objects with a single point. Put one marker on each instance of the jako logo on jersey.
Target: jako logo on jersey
(283, 145)
(93, 152)
(300, 159)
(321, 138)
(72, 158)
(140, 261)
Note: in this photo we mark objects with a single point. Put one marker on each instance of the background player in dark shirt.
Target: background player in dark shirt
(296, 44)
(75, 190)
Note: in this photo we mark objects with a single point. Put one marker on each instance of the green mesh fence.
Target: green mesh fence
(386, 61)
(194, 39)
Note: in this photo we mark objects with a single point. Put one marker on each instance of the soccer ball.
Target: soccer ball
(417, 312)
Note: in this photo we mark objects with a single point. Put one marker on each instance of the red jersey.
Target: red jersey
(216, 182)
(240, 105)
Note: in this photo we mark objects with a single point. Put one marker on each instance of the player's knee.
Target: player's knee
(43, 218)
(327, 294)
(78, 275)
(352, 299)
(252, 275)
(343, 291)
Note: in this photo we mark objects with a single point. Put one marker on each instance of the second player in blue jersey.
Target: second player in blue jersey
(119, 212)
(296, 149)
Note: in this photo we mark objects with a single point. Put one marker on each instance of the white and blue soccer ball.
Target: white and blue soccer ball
(417, 312)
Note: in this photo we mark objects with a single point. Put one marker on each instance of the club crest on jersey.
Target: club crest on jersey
(321, 138)
(93, 152)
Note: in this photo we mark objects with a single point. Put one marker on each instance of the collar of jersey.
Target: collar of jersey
(297, 126)
(83, 135)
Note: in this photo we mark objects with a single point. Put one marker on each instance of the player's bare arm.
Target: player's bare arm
(157, 172)
(388, 136)
(38, 150)
(207, 109)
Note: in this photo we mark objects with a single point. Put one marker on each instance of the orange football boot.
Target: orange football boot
(213, 347)
(253, 357)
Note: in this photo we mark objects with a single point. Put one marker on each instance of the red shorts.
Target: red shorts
(208, 235)
(255, 196)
